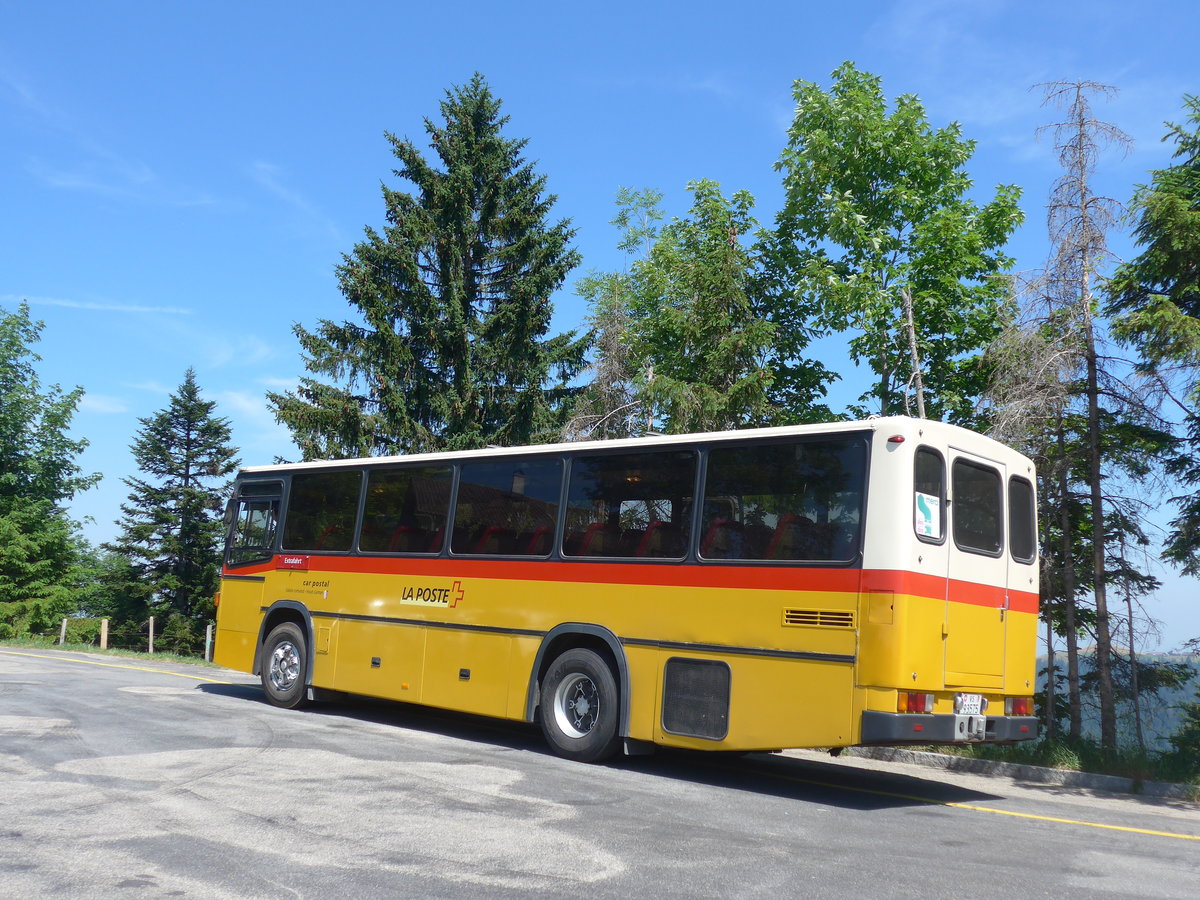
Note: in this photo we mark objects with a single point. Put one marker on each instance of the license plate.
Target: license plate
(968, 704)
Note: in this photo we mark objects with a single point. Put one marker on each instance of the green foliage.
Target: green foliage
(609, 405)
(81, 631)
(39, 474)
(1157, 294)
(700, 343)
(1156, 299)
(165, 559)
(1184, 756)
(1182, 546)
(1079, 755)
(877, 203)
(450, 350)
(1152, 676)
(682, 341)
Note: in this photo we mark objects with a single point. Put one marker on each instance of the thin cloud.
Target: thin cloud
(103, 307)
(250, 406)
(111, 176)
(150, 387)
(216, 350)
(273, 381)
(102, 404)
(261, 436)
(95, 168)
(711, 83)
(270, 177)
(242, 350)
(27, 98)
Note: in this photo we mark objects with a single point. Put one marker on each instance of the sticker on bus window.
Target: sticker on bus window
(929, 515)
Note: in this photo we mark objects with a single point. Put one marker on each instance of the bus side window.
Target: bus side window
(507, 507)
(406, 509)
(321, 510)
(929, 495)
(630, 505)
(797, 501)
(1022, 521)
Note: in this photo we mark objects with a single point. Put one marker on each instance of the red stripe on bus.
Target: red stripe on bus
(790, 578)
(969, 592)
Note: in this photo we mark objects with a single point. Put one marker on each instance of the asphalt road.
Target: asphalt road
(126, 778)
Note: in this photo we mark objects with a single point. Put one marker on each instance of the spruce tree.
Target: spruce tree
(171, 525)
(1156, 297)
(449, 347)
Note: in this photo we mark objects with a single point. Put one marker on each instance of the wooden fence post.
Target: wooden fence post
(151, 650)
(104, 634)
(62, 634)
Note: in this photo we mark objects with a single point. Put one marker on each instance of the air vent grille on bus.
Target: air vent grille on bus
(819, 618)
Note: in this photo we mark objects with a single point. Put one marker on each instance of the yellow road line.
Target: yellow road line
(987, 809)
(107, 665)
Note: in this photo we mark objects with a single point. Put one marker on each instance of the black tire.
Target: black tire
(581, 707)
(284, 666)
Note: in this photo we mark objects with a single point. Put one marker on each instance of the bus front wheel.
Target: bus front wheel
(284, 666)
(580, 707)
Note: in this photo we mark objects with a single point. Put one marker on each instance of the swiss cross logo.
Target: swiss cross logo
(458, 593)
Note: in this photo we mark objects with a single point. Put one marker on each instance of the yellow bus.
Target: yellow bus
(832, 585)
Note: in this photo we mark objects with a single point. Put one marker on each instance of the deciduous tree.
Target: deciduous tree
(877, 205)
(39, 474)
(700, 341)
(609, 405)
(682, 346)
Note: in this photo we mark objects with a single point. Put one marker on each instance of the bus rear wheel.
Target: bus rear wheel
(284, 669)
(580, 707)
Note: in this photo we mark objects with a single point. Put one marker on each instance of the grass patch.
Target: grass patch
(46, 643)
(1084, 756)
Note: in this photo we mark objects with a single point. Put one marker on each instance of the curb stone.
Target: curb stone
(1039, 774)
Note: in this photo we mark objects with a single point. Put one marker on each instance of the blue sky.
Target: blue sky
(178, 180)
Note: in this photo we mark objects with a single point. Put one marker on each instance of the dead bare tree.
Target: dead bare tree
(1034, 363)
(1079, 220)
(609, 407)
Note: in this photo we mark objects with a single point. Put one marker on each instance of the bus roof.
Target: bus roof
(901, 425)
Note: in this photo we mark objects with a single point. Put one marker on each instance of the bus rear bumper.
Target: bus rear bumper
(909, 728)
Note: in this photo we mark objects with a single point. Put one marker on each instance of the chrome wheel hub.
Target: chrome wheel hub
(576, 705)
(284, 667)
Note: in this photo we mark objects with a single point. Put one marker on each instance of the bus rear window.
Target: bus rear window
(799, 501)
(321, 511)
(977, 507)
(1022, 522)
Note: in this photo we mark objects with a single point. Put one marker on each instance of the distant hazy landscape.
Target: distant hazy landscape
(1160, 712)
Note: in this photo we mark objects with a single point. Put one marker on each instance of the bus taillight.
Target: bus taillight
(913, 702)
(1018, 706)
